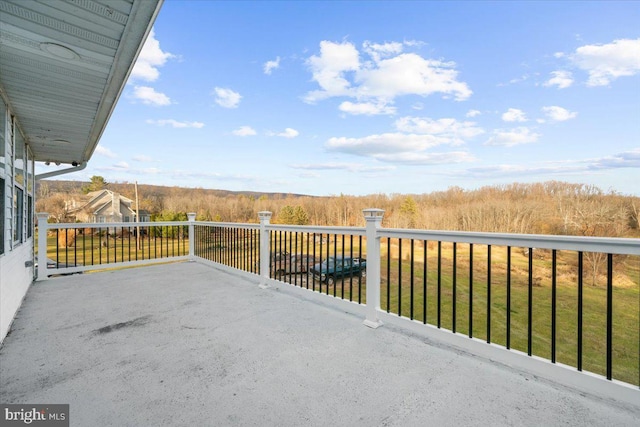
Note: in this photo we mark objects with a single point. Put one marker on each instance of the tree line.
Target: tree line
(551, 207)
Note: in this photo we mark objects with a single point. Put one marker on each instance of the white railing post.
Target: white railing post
(374, 220)
(265, 248)
(192, 236)
(43, 232)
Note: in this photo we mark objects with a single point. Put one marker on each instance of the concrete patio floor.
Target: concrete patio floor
(187, 344)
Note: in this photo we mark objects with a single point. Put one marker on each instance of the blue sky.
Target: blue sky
(361, 97)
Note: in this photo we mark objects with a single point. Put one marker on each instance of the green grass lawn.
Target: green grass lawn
(96, 250)
(626, 304)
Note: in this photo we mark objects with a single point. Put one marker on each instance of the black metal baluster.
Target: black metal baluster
(424, 282)
(488, 293)
(530, 305)
(122, 244)
(320, 281)
(84, 249)
(92, 233)
(554, 269)
(439, 284)
(57, 246)
(298, 261)
(454, 283)
(609, 316)
(508, 297)
(360, 281)
(307, 271)
(99, 245)
(388, 274)
(470, 290)
(411, 283)
(580, 260)
(75, 248)
(335, 254)
(399, 277)
(351, 277)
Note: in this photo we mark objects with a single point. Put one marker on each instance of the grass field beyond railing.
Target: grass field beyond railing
(94, 246)
(446, 296)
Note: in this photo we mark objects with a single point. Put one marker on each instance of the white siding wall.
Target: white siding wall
(14, 283)
(16, 258)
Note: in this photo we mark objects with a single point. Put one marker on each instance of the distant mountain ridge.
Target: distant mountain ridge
(68, 186)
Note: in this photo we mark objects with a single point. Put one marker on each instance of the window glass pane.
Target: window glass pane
(29, 216)
(18, 209)
(19, 163)
(30, 178)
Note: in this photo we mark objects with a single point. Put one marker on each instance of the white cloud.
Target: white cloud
(378, 51)
(104, 151)
(142, 158)
(121, 165)
(269, 66)
(558, 114)
(391, 73)
(383, 143)
(426, 158)
(561, 79)
(366, 108)
(628, 159)
(514, 115)
(227, 98)
(244, 131)
(151, 57)
(410, 74)
(330, 67)
(402, 148)
(607, 62)
(149, 96)
(449, 131)
(176, 124)
(473, 113)
(332, 166)
(288, 133)
(511, 137)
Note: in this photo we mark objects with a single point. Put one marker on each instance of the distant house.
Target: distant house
(104, 206)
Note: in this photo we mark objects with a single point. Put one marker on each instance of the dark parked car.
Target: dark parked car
(291, 264)
(338, 267)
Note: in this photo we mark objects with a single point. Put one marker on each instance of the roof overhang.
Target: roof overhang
(63, 66)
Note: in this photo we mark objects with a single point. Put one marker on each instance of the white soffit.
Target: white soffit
(63, 65)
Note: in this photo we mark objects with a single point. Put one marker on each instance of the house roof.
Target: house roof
(97, 201)
(64, 65)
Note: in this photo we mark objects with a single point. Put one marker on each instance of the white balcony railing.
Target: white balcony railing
(568, 300)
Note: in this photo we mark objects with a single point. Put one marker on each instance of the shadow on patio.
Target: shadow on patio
(187, 344)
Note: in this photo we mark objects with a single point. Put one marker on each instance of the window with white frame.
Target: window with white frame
(30, 187)
(18, 194)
